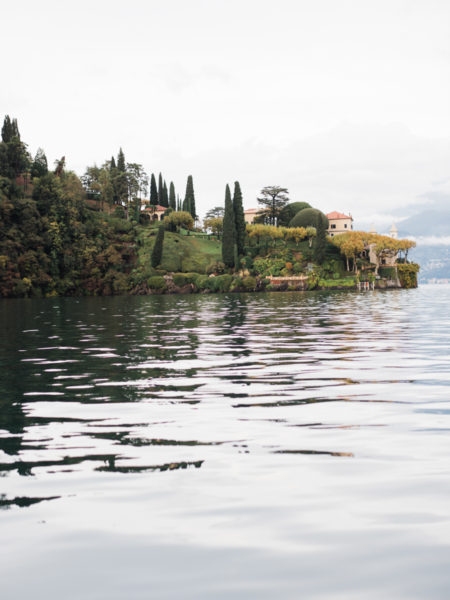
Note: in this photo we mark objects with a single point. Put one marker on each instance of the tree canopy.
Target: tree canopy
(273, 199)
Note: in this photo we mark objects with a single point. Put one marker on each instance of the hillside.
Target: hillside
(181, 253)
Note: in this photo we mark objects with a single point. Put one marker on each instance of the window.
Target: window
(345, 225)
(333, 226)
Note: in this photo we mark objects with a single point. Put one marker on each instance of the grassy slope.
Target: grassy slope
(181, 253)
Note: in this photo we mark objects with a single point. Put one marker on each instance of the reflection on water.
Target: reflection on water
(227, 445)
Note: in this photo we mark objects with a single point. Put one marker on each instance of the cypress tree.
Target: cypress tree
(112, 164)
(153, 191)
(228, 230)
(165, 196)
(320, 244)
(7, 130)
(160, 190)
(172, 199)
(239, 219)
(39, 166)
(158, 247)
(121, 161)
(189, 199)
(121, 181)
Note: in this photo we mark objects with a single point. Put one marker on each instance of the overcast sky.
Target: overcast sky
(344, 102)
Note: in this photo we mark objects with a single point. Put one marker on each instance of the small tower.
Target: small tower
(393, 232)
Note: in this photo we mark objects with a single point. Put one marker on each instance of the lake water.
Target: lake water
(252, 446)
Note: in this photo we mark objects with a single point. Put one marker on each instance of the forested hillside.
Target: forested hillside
(50, 242)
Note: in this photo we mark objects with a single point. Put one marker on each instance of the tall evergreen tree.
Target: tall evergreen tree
(158, 247)
(40, 165)
(320, 243)
(153, 191)
(160, 190)
(121, 180)
(7, 130)
(121, 166)
(189, 199)
(172, 199)
(112, 164)
(239, 219)
(165, 196)
(228, 231)
(179, 205)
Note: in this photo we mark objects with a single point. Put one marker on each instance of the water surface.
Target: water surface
(226, 446)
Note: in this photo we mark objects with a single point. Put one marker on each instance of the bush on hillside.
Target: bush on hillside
(309, 217)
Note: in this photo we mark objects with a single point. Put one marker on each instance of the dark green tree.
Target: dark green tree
(121, 165)
(158, 247)
(165, 196)
(228, 236)
(320, 242)
(189, 199)
(289, 212)
(172, 198)
(121, 179)
(239, 219)
(273, 199)
(308, 218)
(112, 164)
(153, 191)
(7, 130)
(160, 190)
(39, 166)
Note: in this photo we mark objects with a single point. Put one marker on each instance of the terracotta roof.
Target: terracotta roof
(252, 210)
(337, 215)
(157, 207)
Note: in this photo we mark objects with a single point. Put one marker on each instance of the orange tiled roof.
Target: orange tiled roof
(157, 208)
(337, 215)
(252, 210)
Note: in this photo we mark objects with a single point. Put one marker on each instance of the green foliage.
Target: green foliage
(337, 282)
(387, 272)
(153, 191)
(239, 219)
(172, 198)
(216, 267)
(156, 282)
(289, 212)
(174, 220)
(189, 198)
(201, 282)
(157, 251)
(407, 274)
(229, 232)
(249, 284)
(272, 200)
(39, 166)
(309, 217)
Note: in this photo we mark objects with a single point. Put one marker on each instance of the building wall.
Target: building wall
(337, 226)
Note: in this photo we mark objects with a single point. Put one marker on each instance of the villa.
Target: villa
(156, 212)
(339, 223)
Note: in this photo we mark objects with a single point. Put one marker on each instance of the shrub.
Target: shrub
(157, 282)
(215, 267)
(407, 274)
(297, 268)
(200, 282)
(158, 247)
(249, 284)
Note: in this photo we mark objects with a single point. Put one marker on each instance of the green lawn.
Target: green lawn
(181, 253)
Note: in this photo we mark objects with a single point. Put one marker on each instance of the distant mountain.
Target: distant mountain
(432, 222)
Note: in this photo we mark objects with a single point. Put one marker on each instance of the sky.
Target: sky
(344, 102)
